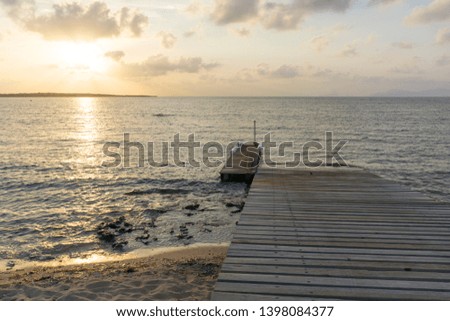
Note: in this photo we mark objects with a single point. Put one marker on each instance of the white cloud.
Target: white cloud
(407, 68)
(286, 71)
(403, 45)
(264, 70)
(19, 9)
(443, 61)
(244, 75)
(194, 8)
(436, 11)
(289, 16)
(160, 65)
(242, 32)
(189, 34)
(443, 36)
(371, 39)
(348, 51)
(382, 2)
(74, 21)
(136, 22)
(279, 16)
(328, 35)
(115, 55)
(231, 11)
(319, 43)
(168, 40)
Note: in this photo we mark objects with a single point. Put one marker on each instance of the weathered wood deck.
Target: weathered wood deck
(336, 234)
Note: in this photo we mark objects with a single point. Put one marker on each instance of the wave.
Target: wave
(7, 167)
(162, 191)
(163, 115)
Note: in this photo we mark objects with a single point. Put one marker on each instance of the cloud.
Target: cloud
(443, 61)
(443, 36)
(19, 9)
(381, 2)
(51, 66)
(242, 32)
(74, 21)
(168, 40)
(319, 43)
(371, 39)
(436, 11)
(245, 75)
(279, 16)
(348, 51)
(289, 16)
(115, 55)
(231, 11)
(403, 45)
(321, 73)
(286, 71)
(135, 21)
(408, 68)
(264, 70)
(160, 65)
(194, 8)
(189, 34)
(327, 35)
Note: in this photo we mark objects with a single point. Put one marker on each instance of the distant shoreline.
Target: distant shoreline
(68, 95)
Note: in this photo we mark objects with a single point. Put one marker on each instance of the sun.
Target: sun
(87, 57)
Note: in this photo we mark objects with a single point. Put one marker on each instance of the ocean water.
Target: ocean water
(59, 200)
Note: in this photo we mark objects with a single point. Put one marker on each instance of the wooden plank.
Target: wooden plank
(349, 211)
(300, 238)
(265, 222)
(342, 227)
(340, 250)
(331, 243)
(338, 256)
(330, 231)
(301, 215)
(344, 264)
(332, 271)
(334, 233)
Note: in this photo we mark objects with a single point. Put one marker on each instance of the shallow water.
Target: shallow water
(54, 191)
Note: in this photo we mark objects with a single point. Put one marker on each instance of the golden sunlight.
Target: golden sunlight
(87, 119)
(81, 56)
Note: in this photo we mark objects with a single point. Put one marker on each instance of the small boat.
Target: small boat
(242, 163)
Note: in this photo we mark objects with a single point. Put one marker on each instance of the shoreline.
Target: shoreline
(70, 95)
(183, 273)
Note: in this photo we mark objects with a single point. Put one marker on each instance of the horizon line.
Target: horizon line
(94, 95)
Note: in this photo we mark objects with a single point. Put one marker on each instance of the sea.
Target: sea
(76, 180)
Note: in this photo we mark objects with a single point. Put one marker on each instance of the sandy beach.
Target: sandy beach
(185, 273)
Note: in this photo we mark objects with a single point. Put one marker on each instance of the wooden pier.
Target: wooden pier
(336, 234)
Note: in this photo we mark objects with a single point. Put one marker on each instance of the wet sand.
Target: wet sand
(187, 273)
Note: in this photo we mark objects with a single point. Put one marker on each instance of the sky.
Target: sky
(226, 47)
